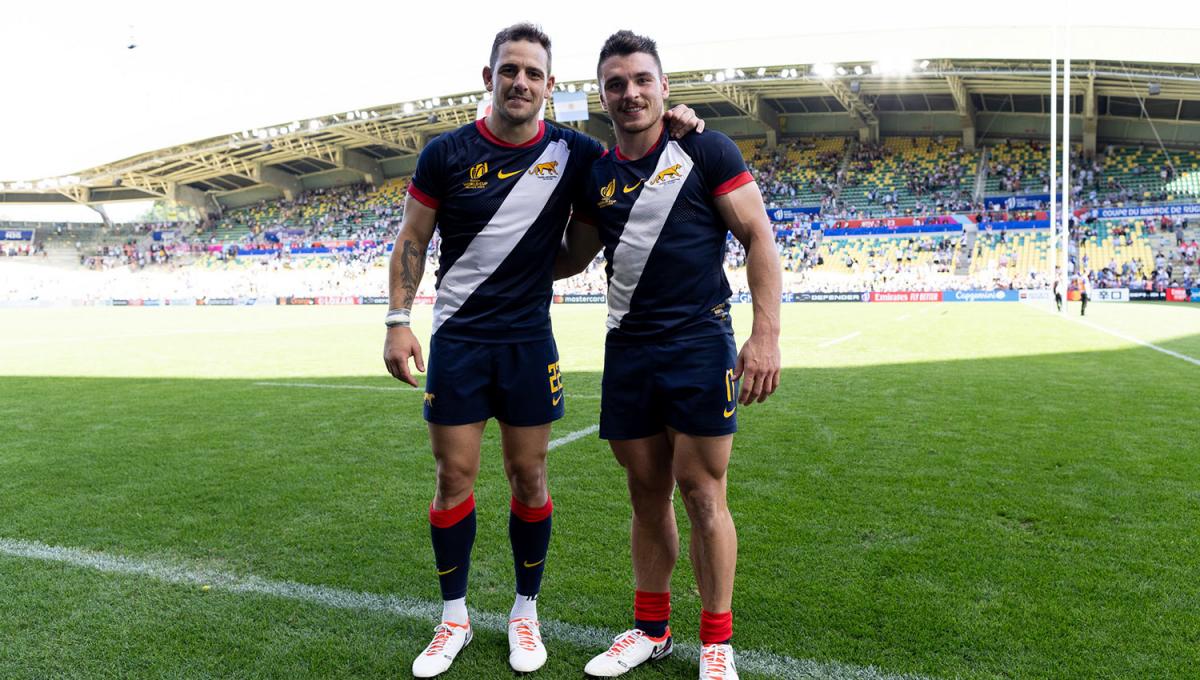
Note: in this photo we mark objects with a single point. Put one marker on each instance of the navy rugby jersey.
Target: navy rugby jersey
(663, 236)
(501, 212)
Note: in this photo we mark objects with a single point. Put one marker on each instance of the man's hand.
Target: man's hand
(682, 119)
(758, 366)
(397, 348)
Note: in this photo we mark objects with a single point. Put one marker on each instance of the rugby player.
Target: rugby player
(499, 191)
(662, 209)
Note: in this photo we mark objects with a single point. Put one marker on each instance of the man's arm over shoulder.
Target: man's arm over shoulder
(579, 248)
(759, 361)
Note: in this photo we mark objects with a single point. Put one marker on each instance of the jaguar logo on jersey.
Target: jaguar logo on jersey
(476, 173)
(607, 191)
(547, 170)
(667, 176)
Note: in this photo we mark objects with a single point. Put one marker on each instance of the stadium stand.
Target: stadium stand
(1150, 174)
(334, 240)
(801, 171)
(909, 176)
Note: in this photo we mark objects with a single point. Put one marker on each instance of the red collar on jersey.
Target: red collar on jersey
(487, 134)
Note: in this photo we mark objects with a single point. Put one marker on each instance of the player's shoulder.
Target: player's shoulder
(707, 142)
(440, 145)
(576, 140)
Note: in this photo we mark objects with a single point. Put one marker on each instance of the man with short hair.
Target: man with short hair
(662, 210)
(499, 192)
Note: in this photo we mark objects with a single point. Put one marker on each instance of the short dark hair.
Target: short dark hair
(522, 31)
(623, 43)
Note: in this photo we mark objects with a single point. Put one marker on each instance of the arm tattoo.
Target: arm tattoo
(412, 267)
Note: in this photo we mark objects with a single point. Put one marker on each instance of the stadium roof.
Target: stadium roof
(862, 76)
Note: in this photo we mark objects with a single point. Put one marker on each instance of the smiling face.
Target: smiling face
(632, 91)
(519, 81)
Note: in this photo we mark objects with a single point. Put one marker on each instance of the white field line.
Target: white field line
(584, 637)
(1123, 336)
(1139, 341)
(375, 388)
(902, 317)
(568, 438)
(844, 338)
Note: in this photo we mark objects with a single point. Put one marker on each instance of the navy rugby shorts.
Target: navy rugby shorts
(516, 383)
(686, 385)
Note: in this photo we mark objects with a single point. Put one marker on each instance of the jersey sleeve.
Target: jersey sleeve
(429, 179)
(722, 163)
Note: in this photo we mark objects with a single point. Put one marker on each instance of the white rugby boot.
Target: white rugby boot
(629, 650)
(526, 652)
(448, 640)
(716, 663)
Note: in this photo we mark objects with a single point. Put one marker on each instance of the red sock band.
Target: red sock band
(715, 628)
(528, 514)
(651, 606)
(444, 519)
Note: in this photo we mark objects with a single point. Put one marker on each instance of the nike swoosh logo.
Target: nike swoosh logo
(443, 573)
(628, 188)
(531, 566)
(729, 411)
(505, 175)
(555, 401)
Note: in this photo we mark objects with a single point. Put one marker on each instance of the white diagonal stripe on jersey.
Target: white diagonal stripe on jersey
(520, 209)
(642, 229)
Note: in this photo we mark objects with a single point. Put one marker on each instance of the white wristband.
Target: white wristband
(398, 317)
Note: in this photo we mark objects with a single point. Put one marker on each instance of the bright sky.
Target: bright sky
(75, 96)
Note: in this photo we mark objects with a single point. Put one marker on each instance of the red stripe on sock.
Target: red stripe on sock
(651, 606)
(528, 514)
(715, 628)
(444, 519)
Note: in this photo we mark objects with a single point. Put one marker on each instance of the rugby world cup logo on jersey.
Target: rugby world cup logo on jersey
(606, 192)
(668, 175)
(476, 174)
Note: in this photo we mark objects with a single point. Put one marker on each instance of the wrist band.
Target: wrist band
(398, 317)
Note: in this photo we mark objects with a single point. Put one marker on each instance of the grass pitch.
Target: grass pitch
(954, 490)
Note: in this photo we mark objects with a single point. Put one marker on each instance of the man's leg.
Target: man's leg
(529, 524)
(452, 530)
(654, 538)
(531, 509)
(654, 543)
(700, 465)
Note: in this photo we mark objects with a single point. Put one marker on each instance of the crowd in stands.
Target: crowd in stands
(21, 249)
(330, 241)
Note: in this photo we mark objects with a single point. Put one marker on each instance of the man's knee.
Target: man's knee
(527, 480)
(704, 500)
(455, 481)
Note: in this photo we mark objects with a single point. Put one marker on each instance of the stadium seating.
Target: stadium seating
(939, 163)
(1138, 170)
(1029, 159)
(866, 253)
(791, 172)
